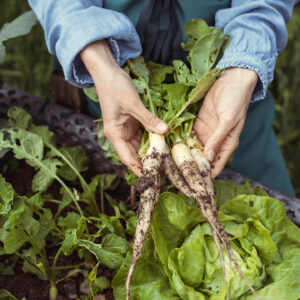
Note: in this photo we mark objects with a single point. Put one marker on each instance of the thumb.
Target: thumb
(150, 121)
(216, 139)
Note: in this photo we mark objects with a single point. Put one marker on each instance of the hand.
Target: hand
(222, 115)
(121, 106)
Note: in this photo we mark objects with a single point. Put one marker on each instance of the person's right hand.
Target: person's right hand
(121, 106)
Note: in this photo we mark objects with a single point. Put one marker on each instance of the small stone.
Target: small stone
(84, 288)
(100, 297)
(70, 290)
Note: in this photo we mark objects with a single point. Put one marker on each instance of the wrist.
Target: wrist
(243, 76)
(99, 60)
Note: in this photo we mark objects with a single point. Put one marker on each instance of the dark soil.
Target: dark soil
(25, 285)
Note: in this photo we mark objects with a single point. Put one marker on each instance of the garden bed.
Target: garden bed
(73, 128)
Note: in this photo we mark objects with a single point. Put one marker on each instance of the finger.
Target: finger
(213, 143)
(136, 144)
(150, 121)
(219, 163)
(128, 156)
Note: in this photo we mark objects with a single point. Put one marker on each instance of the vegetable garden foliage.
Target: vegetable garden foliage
(173, 92)
(179, 260)
(78, 223)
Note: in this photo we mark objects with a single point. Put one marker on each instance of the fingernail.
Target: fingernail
(210, 154)
(162, 126)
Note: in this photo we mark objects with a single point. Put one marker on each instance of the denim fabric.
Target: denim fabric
(258, 30)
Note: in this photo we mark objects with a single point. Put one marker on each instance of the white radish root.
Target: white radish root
(173, 174)
(196, 172)
(149, 187)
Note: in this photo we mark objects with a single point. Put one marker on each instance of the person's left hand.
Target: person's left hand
(222, 115)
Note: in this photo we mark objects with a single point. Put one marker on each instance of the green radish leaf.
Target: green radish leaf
(77, 157)
(43, 132)
(186, 116)
(36, 201)
(140, 85)
(158, 73)
(18, 117)
(183, 74)
(203, 86)
(112, 225)
(115, 244)
(20, 26)
(139, 69)
(6, 196)
(91, 93)
(18, 227)
(69, 222)
(43, 178)
(101, 283)
(47, 224)
(65, 201)
(70, 242)
(195, 30)
(131, 178)
(25, 145)
(104, 256)
(108, 181)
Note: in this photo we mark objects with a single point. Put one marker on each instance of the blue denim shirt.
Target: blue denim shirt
(257, 28)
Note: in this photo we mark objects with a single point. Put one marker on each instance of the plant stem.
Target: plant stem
(102, 200)
(81, 179)
(69, 266)
(56, 258)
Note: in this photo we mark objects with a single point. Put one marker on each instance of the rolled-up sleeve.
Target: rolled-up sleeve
(258, 33)
(72, 25)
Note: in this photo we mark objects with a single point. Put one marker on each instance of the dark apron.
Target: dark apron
(258, 155)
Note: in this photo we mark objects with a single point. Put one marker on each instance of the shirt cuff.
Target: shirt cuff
(99, 24)
(243, 60)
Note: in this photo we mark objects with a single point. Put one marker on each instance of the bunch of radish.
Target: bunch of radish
(173, 93)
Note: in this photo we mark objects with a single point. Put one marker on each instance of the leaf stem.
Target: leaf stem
(58, 153)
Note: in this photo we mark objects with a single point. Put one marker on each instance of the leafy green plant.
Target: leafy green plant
(76, 225)
(181, 261)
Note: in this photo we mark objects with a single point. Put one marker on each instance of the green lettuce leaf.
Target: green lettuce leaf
(149, 280)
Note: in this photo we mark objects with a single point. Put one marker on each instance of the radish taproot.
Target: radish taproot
(149, 187)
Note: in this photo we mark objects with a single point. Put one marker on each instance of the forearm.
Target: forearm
(258, 33)
(70, 26)
(99, 60)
